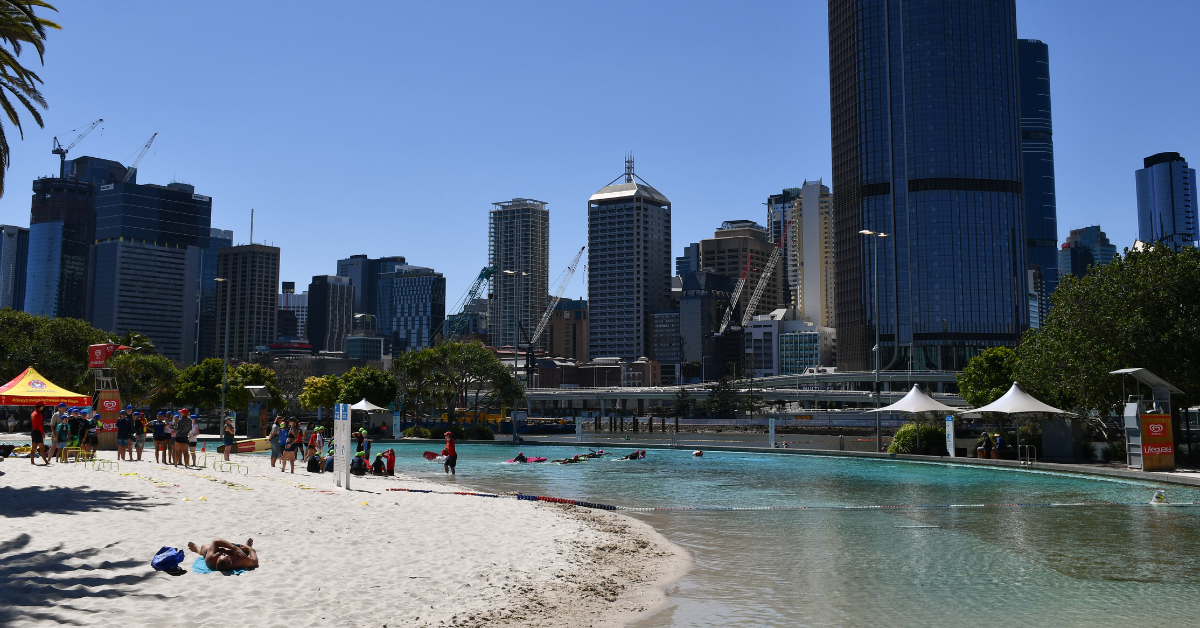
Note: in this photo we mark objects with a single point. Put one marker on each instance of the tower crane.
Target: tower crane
(737, 292)
(763, 278)
(453, 331)
(62, 152)
(537, 333)
(133, 168)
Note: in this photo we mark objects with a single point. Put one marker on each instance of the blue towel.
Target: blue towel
(200, 567)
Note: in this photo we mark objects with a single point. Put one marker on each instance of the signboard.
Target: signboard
(98, 355)
(950, 435)
(579, 428)
(108, 409)
(1158, 443)
(254, 418)
(771, 432)
(341, 440)
(396, 433)
(517, 417)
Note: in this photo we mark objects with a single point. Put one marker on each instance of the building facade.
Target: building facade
(1084, 248)
(782, 210)
(206, 323)
(62, 228)
(519, 250)
(689, 261)
(14, 262)
(703, 299)
(736, 246)
(330, 312)
(475, 325)
(247, 299)
(297, 304)
(412, 306)
(1037, 155)
(1166, 201)
(146, 263)
(364, 273)
(811, 241)
(567, 331)
(926, 130)
(629, 265)
(805, 348)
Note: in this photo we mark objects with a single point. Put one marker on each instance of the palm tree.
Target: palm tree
(19, 25)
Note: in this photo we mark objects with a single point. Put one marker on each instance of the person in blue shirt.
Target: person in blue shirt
(161, 442)
(124, 434)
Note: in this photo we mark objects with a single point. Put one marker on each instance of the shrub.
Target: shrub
(1113, 452)
(905, 440)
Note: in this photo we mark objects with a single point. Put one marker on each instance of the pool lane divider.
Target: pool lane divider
(575, 502)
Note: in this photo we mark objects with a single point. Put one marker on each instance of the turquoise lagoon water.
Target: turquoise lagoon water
(998, 565)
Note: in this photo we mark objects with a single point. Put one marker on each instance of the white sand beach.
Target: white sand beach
(76, 544)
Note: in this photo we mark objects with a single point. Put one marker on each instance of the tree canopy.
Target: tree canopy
(19, 25)
(988, 376)
(145, 379)
(370, 383)
(200, 385)
(321, 392)
(56, 347)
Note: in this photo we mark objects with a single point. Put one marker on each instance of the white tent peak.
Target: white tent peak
(916, 401)
(365, 405)
(1016, 400)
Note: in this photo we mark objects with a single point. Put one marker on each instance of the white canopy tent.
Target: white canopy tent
(366, 405)
(1017, 401)
(916, 402)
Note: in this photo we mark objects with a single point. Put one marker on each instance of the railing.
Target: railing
(1028, 454)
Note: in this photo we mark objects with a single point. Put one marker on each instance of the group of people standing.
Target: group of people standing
(289, 438)
(73, 427)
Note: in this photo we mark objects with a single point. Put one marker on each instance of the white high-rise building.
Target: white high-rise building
(811, 262)
(519, 250)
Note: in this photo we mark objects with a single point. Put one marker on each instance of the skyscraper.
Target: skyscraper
(727, 253)
(364, 275)
(297, 304)
(1166, 202)
(629, 265)
(206, 326)
(1037, 154)
(146, 263)
(14, 258)
(62, 228)
(782, 209)
(925, 108)
(330, 312)
(1084, 248)
(251, 273)
(811, 241)
(519, 250)
(412, 306)
(689, 261)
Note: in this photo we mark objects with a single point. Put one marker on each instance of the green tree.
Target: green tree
(723, 398)
(418, 377)
(683, 403)
(251, 374)
(56, 347)
(370, 383)
(988, 376)
(508, 390)
(321, 392)
(145, 378)
(20, 25)
(1138, 311)
(200, 385)
(468, 367)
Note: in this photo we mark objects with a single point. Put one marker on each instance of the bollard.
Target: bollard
(841, 443)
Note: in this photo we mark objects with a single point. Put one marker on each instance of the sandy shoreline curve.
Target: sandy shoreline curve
(76, 544)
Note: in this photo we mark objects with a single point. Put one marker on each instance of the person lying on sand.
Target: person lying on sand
(222, 555)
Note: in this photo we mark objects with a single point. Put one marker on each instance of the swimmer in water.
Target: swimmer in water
(571, 460)
(520, 457)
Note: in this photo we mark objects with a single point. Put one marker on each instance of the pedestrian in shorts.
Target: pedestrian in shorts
(161, 441)
(276, 445)
(139, 433)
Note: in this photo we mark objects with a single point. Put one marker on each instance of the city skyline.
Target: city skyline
(234, 155)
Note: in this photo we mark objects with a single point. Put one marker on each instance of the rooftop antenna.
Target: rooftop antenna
(629, 167)
(251, 225)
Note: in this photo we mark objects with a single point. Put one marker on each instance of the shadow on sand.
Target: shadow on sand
(27, 501)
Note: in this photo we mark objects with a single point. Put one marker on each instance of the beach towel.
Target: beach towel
(199, 566)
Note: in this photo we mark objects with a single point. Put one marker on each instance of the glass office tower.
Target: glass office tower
(925, 108)
(1166, 207)
(1037, 151)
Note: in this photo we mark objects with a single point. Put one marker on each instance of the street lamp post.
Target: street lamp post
(876, 235)
(517, 317)
(225, 359)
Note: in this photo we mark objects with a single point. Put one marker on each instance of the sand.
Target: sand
(76, 544)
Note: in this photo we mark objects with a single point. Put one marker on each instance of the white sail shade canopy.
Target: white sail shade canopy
(1016, 401)
(365, 405)
(916, 401)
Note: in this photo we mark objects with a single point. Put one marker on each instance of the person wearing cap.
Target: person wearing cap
(92, 440)
(62, 435)
(124, 433)
(450, 454)
(139, 433)
(158, 428)
(59, 412)
(366, 442)
(314, 443)
(228, 434)
(193, 435)
(289, 437)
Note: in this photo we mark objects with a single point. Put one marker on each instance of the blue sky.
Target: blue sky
(389, 128)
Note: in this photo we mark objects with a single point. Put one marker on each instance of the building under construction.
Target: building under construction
(519, 251)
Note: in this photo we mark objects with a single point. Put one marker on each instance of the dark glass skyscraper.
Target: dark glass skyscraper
(1165, 201)
(926, 122)
(1037, 152)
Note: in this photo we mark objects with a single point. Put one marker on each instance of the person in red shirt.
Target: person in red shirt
(450, 454)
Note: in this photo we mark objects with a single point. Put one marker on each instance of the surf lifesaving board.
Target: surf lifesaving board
(247, 446)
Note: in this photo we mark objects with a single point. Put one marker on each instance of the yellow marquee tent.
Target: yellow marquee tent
(30, 387)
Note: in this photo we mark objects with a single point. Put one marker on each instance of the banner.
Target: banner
(108, 409)
(950, 435)
(396, 431)
(1158, 443)
(342, 449)
(771, 433)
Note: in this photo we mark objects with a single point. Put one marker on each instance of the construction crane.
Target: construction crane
(570, 272)
(62, 152)
(737, 293)
(764, 277)
(453, 330)
(133, 168)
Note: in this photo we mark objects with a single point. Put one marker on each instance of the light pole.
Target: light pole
(225, 359)
(517, 316)
(876, 235)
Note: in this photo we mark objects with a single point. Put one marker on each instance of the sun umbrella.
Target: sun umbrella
(916, 401)
(1017, 401)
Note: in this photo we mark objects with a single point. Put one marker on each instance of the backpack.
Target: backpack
(167, 559)
(314, 465)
